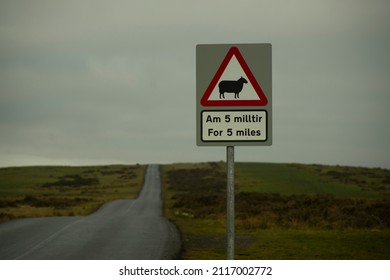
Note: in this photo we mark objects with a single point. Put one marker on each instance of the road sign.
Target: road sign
(234, 66)
(234, 95)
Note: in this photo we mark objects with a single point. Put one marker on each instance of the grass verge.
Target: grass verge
(283, 211)
(64, 191)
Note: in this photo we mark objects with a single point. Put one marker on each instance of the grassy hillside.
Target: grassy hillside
(64, 191)
(287, 179)
(283, 211)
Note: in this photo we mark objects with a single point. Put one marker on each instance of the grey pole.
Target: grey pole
(230, 201)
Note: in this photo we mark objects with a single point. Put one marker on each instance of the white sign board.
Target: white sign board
(229, 126)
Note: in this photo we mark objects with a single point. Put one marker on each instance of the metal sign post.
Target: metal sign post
(230, 201)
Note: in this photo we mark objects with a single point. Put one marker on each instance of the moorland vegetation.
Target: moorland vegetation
(330, 205)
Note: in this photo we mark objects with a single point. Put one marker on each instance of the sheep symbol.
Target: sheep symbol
(231, 86)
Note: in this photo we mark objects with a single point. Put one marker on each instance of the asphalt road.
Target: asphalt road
(123, 229)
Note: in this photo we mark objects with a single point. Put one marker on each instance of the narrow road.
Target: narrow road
(122, 229)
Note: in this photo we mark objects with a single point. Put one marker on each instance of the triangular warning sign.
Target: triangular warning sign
(234, 84)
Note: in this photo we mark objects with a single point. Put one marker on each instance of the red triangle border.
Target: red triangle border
(234, 51)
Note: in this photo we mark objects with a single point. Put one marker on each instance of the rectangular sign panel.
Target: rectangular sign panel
(234, 95)
(226, 126)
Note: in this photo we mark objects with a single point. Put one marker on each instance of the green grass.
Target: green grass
(63, 190)
(288, 179)
(206, 239)
(283, 211)
(318, 244)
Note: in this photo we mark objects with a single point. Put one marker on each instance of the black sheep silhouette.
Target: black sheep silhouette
(231, 86)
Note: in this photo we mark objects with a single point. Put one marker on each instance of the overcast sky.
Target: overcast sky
(99, 82)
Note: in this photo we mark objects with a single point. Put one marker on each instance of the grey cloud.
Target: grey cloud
(89, 81)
